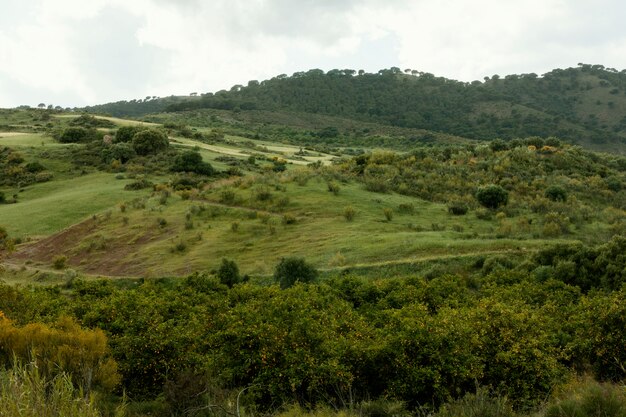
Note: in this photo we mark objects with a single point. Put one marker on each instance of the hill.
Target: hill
(581, 105)
(207, 260)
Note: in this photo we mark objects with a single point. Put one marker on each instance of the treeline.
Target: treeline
(135, 107)
(509, 107)
(505, 326)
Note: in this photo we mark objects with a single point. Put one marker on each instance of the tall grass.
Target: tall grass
(25, 393)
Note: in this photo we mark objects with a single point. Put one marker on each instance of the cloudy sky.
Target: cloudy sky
(81, 52)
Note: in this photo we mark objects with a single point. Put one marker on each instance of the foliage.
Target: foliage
(149, 141)
(82, 354)
(492, 196)
(228, 273)
(78, 135)
(25, 392)
(191, 161)
(292, 270)
(556, 193)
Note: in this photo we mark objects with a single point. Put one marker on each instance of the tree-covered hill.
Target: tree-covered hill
(584, 104)
(137, 107)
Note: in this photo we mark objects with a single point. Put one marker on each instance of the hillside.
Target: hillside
(581, 105)
(208, 260)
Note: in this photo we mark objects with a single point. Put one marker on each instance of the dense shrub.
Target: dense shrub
(78, 135)
(492, 196)
(556, 193)
(126, 133)
(149, 141)
(191, 161)
(228, 273)
(457, 208)
(292, 270)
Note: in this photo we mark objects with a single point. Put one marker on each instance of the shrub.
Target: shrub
(227, 196)
(191, 161)
(138, 185)
(122, 152)
(590, 400)
(492, 196)
(3, 198)
(388, 214)
(556, 193)
(77, 135)
(34, 167)
(457, 208)
(149, 141)
(349, 213)
(59, 262)
(289, 219)
(126, 133)
(228, 273)
(292, 270)
(407, 208)
(480, 404)
(333, 187)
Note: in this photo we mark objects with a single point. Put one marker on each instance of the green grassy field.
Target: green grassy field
(47, 208)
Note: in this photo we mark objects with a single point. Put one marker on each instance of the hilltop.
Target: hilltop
(583, 105)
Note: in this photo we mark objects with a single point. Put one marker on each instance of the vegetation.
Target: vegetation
(290, 261)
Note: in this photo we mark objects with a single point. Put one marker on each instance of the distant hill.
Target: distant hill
(137, 107)
(584, 105)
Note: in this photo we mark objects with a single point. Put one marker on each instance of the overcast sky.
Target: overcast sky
(82, 52)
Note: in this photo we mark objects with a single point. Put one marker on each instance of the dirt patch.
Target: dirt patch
(114, 259)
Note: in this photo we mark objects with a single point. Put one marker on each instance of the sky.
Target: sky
(74, 53)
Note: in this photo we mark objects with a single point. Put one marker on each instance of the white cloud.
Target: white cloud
(82, 52)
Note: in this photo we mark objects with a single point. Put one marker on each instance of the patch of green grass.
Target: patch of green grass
(46, 208)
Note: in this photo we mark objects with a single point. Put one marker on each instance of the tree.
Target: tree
(292, 270)
(126, 133)
(492, 196)
(556, 193)
(41, 105)
(228, 273)
(191, 161)
(77, 135)
(149, 142)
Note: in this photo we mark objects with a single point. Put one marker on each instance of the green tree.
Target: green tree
(492, 196)
(228, 273)
(149, 141)
(126, 133)
(191, 161)
(292, 270)
(556, 193)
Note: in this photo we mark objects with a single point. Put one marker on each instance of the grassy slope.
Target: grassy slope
(133, 243)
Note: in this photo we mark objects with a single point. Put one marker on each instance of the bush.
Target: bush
(191, 161)
(228, 273)
(126, 133)
(138, 185)
(77, 135)
(556, 193)
(480, 404)
(457, 208)
(34, 167)
(3, 198)
(333, 187)
(59, 262)
(349, 213)
(492, 196)
(122, 152)
(388, 214)
(590, 400)
(149, 141)
(292, 270)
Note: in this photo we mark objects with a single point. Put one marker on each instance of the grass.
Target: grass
(137, 242)
(49, 207)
